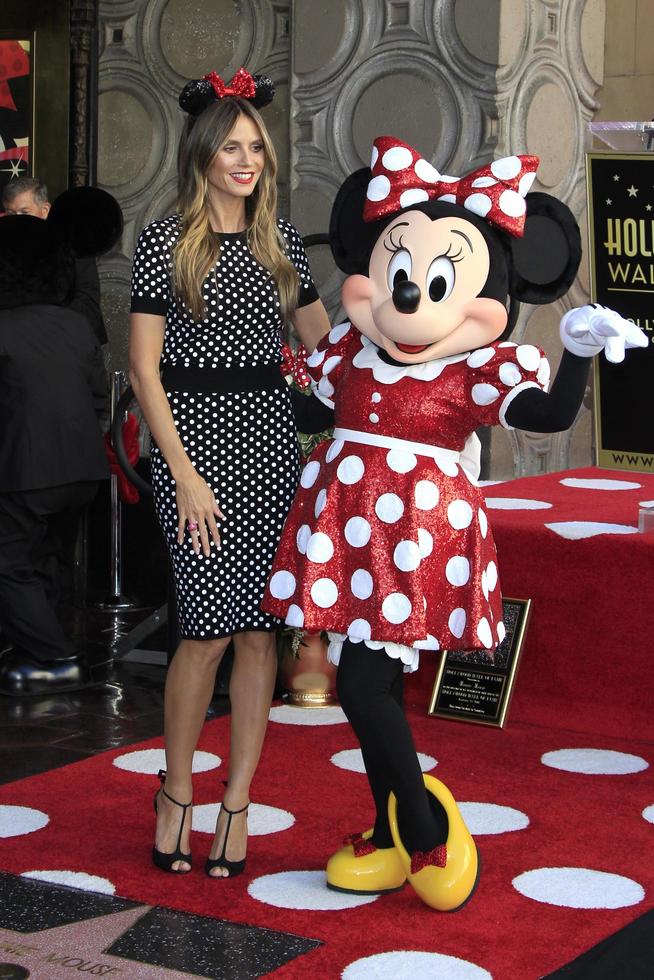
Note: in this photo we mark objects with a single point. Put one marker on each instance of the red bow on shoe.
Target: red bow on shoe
(242, 84)
(360, 845)
(295, 365)
(437, 858)
(401, 178)
(126, 490)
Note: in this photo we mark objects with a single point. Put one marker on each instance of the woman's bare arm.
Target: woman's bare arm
(311, 323)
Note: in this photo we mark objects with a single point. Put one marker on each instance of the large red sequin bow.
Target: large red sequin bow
(401, 178)
(242, 84)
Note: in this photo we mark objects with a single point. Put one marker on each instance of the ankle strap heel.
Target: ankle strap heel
(163, 859)
(233, 867)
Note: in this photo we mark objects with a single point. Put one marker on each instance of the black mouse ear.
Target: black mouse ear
(547, 257)
(265, 91)
(351, 238)
(89, 219)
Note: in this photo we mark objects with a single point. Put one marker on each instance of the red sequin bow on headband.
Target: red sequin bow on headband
(401, 178)
(241, 84)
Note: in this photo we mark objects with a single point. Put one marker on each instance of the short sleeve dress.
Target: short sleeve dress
(388, 540)
(238, 431)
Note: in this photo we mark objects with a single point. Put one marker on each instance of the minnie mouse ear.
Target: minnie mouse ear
(350, 237)
(196, 96)
(265, 91)
(89, 219)
(547, 257)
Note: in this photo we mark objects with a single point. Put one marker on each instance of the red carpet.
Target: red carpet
(101, 823)
(587, 658)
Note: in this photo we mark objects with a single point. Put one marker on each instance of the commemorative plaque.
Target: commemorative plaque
(621, 232)
(476, 685)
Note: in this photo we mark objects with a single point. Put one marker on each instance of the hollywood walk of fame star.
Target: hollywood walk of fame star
(63, 951)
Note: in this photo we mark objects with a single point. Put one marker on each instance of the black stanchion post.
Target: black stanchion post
(116, 601)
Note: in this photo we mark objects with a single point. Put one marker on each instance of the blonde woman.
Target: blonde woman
(212, 287)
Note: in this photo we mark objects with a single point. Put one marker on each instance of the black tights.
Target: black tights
(369, 685)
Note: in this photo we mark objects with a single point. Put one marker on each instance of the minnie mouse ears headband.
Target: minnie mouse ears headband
(202, 92)
(401, 178)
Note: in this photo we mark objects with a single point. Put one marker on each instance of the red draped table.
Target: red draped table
(569, 542)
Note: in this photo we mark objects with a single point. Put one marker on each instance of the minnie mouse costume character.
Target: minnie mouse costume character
(388, 545)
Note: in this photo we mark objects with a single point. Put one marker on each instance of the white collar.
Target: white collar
(389, 374)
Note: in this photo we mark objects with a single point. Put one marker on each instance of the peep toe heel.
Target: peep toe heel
(163, 859)
(233, 867)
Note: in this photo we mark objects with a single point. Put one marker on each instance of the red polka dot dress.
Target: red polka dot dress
(388, 540)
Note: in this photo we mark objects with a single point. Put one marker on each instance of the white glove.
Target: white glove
(588, 330)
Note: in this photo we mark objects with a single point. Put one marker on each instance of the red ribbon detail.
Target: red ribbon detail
(242, 84)
(496, 191)
(437, 858)
(126, 490)
(360, 845)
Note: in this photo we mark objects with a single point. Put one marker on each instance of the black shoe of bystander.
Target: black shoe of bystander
(22, 675)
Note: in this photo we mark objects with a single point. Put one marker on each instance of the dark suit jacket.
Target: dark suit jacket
(49, 431)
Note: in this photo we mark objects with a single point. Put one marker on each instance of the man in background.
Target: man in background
(52, 455)
(26, 195)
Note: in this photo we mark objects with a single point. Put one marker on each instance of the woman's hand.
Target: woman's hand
(197, 505)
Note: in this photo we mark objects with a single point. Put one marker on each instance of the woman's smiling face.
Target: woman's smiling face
(421, 300)
(238, 164)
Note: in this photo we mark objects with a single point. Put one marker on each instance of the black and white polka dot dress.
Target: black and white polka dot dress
(238, 431)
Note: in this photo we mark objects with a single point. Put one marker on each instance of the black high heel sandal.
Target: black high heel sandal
(234, 867)
(162, 859)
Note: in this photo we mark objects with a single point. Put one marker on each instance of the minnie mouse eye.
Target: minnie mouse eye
(440, 279)
(399, 269)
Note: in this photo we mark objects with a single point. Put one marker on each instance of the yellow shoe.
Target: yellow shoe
(363, 869)
(449, 877)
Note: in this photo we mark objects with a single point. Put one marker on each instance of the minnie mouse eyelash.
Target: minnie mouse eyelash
(395, 246)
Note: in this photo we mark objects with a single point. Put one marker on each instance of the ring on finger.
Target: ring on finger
(193, 525)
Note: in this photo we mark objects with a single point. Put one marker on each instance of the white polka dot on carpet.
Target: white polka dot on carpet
(74, 879)
(413, 965)
(491, 818)
(303, 890)
(516, 503)
(579, 888)
(150, 761)
(17, 820)
(352, 760)
(587, 484)
(262, 819)
(288, 714)
(594, 762)
(575, 530)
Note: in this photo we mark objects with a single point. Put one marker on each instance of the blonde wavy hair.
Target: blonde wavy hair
(198, 248)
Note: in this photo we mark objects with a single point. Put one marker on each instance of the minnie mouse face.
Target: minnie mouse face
(422, 299)
(438, 265)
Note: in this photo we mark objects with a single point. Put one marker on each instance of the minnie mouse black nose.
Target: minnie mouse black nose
(406, 297)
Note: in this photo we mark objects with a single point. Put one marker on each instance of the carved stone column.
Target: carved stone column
(83, 45)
